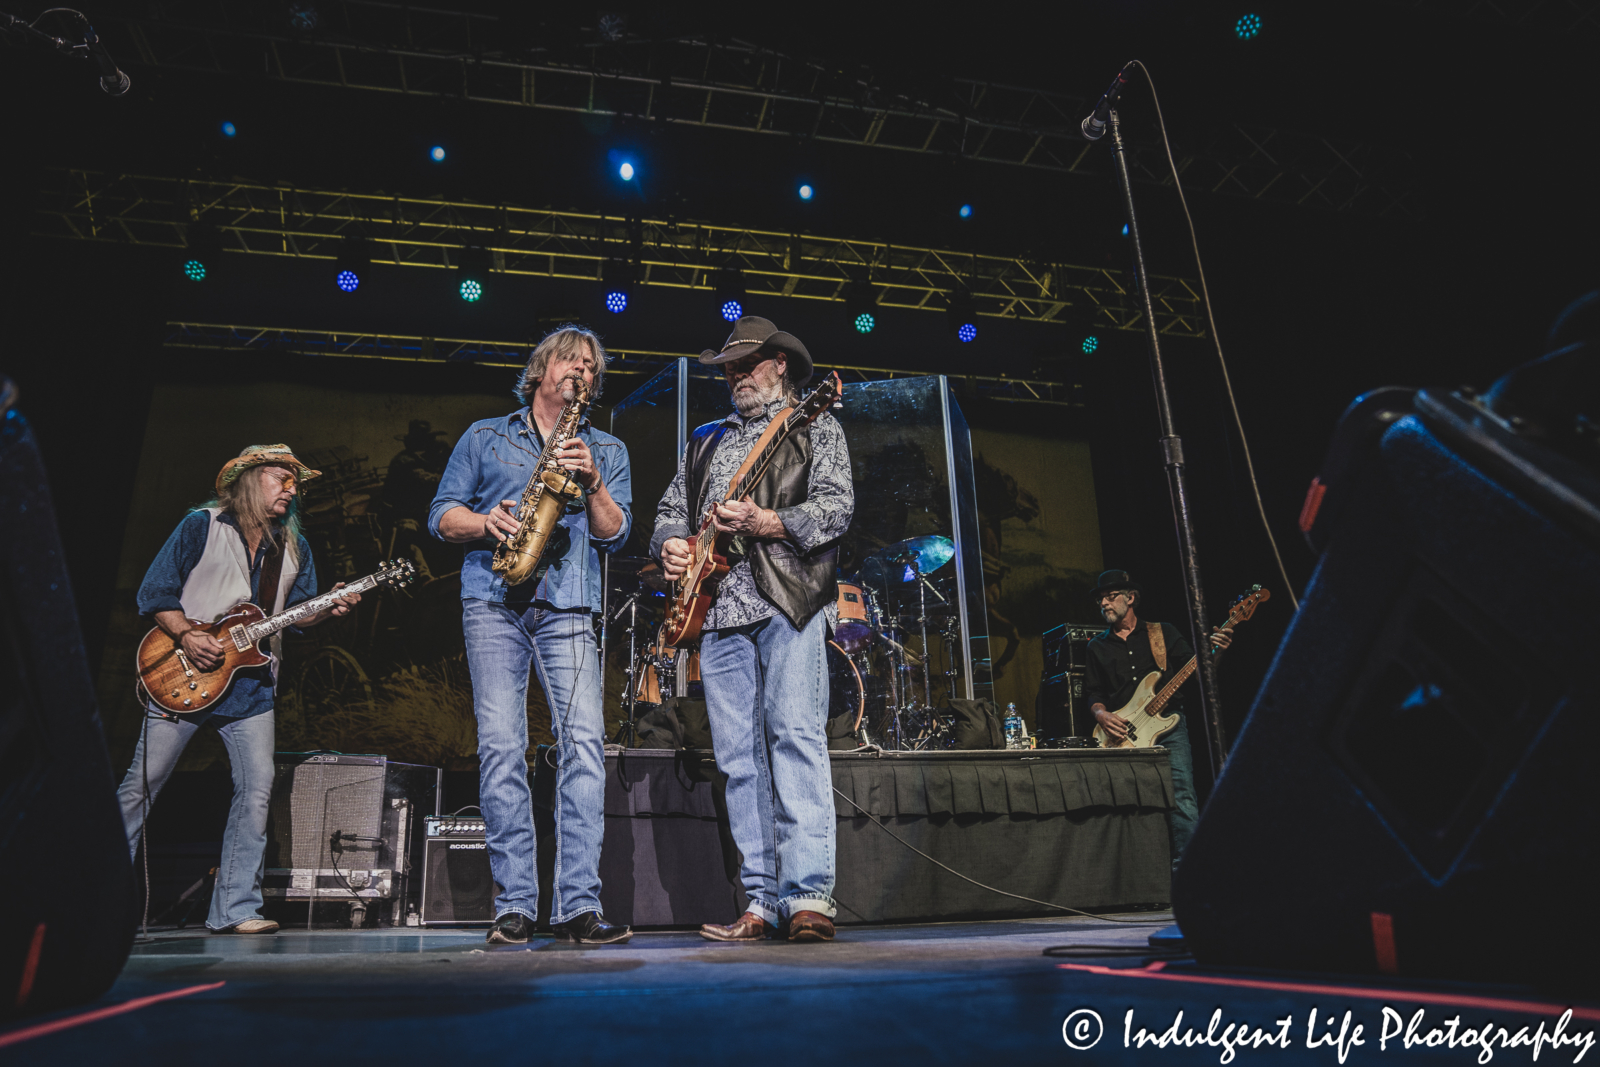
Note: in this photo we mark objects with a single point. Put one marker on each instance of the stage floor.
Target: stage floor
(938, 993)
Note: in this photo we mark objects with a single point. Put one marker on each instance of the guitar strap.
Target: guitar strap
(267, 589)
(1158, 644)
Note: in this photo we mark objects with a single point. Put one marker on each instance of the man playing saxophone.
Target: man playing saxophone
(541, 623)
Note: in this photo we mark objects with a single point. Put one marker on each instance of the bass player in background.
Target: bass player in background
(762, 659)
(243, 545)
(1118, 659)
(545, 623)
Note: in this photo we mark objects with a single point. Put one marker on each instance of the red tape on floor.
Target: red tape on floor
(1158, 971)
(18, 1036)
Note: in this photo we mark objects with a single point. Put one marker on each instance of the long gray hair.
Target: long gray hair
(561, 342)
(246, 500)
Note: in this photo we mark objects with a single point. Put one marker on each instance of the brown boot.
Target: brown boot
(810, 926)
(750, 927)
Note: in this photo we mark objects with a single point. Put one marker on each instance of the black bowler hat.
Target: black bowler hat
(1113, 582)
(752, 333)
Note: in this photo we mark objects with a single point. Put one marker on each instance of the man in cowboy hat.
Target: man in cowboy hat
(244, 545)
(1123, 655)
(762, 656)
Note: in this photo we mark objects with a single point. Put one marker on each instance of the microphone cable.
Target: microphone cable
(1211, 321)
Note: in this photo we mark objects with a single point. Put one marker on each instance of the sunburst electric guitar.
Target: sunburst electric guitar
(692, 592)
(178, 684)
(1146, 725)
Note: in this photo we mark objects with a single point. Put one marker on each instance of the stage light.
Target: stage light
(350, 262)
(728, 287)
(199, 259)
(436, 153)
(962, 316)
(806, 192)
(1247, 27)
(966, 211)
(859, 300)
(626, 171)
(304, 17)
(1090, 344)
(473, 267)
(229, 129)
(1124, 229)
(618, 275)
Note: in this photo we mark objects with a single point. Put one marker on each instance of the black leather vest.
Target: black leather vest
(799, 584)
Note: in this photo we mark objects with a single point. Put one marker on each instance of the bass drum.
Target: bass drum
(847, 697)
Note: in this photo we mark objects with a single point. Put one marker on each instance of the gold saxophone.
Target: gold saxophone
(549, 492)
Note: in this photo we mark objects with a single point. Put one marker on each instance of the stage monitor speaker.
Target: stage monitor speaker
(1060, 710)
(457, 887)
(1413, 791)
(63, 851)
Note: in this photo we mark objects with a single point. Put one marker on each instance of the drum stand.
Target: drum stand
(629, 729)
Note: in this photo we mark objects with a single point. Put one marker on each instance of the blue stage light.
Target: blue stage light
(1124, 229)
(229, 129)
(806, 192)
(194, 270)
(626, 170)
(471, 291)
(1247, 27)
(865, 322)
(1090, 343)
(436, 153)
(966, 211)
(348, 281)
(616, 301)
(732, 310)
(967, 332)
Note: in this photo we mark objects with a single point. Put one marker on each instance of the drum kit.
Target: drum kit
(884, 689)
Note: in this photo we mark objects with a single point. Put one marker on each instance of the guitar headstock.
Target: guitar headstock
(823, 397)
(1245, 605)
(396, 573)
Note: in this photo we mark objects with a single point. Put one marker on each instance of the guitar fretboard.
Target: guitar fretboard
(306, 608)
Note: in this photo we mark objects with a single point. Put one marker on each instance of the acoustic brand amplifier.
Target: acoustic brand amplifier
(457, 888)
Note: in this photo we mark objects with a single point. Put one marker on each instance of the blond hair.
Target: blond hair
(561, 342)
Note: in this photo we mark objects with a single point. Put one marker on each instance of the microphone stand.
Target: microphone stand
(1172, 453)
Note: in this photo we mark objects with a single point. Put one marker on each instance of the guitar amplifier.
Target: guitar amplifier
(341, 827)
(457, 887)
(1060, 709)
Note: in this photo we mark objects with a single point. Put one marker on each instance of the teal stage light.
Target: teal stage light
(865, 322)
(194, 270)
(1090, 344)
(471, 291)
(1247, 27)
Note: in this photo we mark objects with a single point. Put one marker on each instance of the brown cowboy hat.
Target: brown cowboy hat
(259, 455)
(753, 333)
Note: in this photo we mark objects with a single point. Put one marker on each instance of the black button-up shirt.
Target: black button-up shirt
(1116, 665)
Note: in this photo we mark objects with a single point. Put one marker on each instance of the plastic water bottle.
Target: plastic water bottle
(1013, 727)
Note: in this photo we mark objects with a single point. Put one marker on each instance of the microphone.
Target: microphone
(112, 80)
(1094, 127)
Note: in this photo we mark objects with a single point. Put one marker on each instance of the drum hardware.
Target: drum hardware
(628, 731)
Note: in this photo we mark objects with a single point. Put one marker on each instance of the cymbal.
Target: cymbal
(930, 552)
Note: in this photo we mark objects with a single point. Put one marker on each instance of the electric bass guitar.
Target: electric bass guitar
(1146, 725)
(178, 684)
(692, 592)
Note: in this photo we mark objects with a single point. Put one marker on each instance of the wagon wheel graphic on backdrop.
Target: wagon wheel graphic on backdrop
(332, 693)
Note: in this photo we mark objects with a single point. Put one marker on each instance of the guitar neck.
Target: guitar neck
(1161, 698)
(307, 608)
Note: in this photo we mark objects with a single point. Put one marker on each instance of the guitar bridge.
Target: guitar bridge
(240, 640)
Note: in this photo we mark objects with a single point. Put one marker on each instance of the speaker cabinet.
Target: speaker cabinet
(457, 887)
(1419, 761)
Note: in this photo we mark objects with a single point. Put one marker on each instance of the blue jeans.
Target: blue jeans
(503, 645)
(237, 895)
(767, 698)
(1186, 809)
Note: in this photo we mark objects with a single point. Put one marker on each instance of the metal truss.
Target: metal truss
(1571, 20)
(220, 337)
(282, 220)
(733, 85)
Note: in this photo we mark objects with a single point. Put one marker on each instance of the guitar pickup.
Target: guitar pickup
(240, 641)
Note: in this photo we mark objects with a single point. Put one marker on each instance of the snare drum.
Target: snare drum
(855, 622)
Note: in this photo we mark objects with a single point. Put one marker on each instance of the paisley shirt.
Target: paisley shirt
(823, 516)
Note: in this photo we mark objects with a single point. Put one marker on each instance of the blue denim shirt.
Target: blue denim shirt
(251, 692)
(492, 462)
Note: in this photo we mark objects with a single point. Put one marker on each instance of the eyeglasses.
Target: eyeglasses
(1121, 593)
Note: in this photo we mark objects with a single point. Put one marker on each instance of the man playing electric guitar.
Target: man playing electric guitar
(244, 545)
(762, 656)
(1118, 659)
